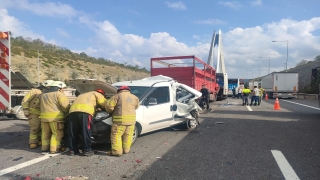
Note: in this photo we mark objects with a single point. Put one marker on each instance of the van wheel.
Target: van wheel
(192, 124)
(135, 134)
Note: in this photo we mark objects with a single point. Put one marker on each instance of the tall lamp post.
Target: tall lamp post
(287, 52)
(269, 63)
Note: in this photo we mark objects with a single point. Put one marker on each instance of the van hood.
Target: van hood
(87, 85)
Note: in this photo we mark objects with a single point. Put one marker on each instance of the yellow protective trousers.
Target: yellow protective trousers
(35, 128)
(121, 138)
(52, 133)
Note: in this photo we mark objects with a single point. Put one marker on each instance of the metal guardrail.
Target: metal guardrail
(308, 96)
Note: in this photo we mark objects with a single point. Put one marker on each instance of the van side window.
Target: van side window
(161, 94)
(183, 96)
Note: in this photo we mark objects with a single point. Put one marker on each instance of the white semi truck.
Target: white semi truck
(281, 84)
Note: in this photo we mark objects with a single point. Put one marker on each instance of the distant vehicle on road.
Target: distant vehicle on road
(254, 83)
(232, 83)
(281, 84)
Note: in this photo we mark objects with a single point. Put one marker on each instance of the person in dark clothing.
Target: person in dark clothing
(234, 92)
(205, 97)
(80, 118)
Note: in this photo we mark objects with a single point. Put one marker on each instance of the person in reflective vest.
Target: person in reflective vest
(79, 121)
(31, 109)
(54, 105)
(245, 96)
(123, 107)
(261, 94)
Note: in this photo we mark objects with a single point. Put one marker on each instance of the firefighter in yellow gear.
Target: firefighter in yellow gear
(31, 109)
(123, 106)
(54, 106)
(79, 121)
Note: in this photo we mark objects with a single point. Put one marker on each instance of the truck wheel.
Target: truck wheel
(20, 114)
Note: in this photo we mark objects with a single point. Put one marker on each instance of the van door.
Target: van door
(158, 107)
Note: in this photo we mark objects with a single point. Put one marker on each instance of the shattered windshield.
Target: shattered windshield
(137, 90)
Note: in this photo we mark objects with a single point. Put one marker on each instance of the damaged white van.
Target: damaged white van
(163, 103)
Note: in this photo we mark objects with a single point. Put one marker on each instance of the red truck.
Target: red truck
(188, 70)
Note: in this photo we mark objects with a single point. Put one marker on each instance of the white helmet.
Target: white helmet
(47, 83)
(59, 84)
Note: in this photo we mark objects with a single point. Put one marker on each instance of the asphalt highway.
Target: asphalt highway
(232, 142)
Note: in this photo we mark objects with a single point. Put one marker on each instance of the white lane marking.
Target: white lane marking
(25, 164)
(302, 104)
(284, 165)
(249, 108)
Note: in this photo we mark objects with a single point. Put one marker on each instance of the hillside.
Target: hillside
(59, 63)
(306, 84)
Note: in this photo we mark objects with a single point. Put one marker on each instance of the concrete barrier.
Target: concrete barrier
(308, 96)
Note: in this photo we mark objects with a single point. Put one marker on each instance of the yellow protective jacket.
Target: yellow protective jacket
(31, 101)
(246, 92)
(53, 106)
(87, 102)
(261, 91)
(123, 107)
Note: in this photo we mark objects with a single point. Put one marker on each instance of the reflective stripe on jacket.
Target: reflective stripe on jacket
(123, 107)
(53, 106)
(31, 101)
(87, 102)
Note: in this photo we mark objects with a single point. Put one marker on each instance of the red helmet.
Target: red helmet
(123, 88)
(100, 91)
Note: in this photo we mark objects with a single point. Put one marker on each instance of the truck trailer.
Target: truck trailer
(281, 84)
(188, 70)
(254, 83)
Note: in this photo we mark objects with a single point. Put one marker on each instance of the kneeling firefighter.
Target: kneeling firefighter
(79, 121)
(123, 106)
(31, 109)
(54, 105)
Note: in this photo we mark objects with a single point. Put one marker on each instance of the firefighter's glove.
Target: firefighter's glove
(26, 112)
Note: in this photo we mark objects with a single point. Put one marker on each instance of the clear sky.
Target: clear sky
(133, 31)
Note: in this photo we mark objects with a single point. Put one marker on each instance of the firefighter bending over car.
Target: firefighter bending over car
(123, 106)
(79, 121)
(31, 109)
(54, 105)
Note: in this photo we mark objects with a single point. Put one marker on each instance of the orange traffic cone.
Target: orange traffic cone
(276, 105)
(266, 98)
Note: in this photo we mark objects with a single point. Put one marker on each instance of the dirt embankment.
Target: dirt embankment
(66, 70)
